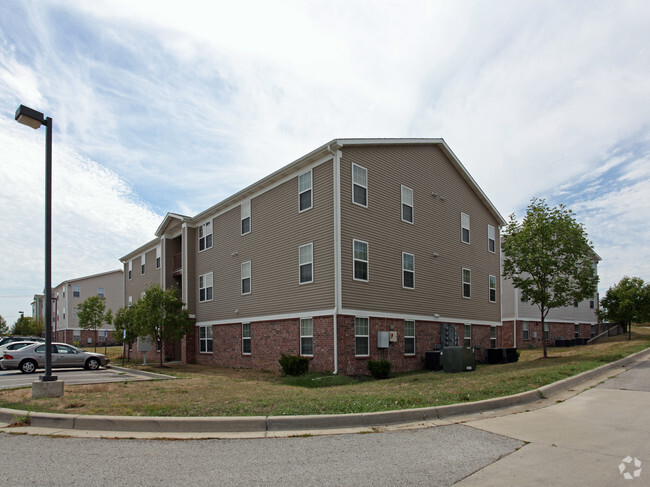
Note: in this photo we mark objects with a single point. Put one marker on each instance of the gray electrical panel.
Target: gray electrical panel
(383, 338)
(449, 335)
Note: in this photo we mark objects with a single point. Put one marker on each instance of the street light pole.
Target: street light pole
(34, 119)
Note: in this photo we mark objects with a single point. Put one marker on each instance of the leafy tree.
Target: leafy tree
(4, 329)
(161, 315)
(28, 326)
(627, 302)
(92, 315)
(125, 321)
(549, 258)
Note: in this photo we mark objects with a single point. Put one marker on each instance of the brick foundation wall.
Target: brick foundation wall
(564, 331)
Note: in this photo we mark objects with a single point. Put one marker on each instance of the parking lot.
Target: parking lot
(14, 378)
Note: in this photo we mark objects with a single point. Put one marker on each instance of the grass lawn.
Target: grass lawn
(211, 391)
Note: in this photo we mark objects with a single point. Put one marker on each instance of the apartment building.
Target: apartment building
(69, 294)
(362, 249)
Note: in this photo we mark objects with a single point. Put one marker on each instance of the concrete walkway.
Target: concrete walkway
(277, 426)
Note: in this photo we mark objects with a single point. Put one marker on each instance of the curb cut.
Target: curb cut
(230, 424)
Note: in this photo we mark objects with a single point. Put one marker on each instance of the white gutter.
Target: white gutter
(336, 163)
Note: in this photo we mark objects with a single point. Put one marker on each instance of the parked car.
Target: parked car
(32, 357)
(12, 346)
(13, 338)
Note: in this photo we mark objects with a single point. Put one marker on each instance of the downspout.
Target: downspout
(336, 163)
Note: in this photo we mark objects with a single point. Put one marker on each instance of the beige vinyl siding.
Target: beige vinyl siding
(141, 282)
(278, 229)
(436, 229)
(192, 282)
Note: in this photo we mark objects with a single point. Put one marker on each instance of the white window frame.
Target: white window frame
(464, 225)
(246, 338)
(306, 333)
(205, 236)
(492, 289)
(493, 336)
(130, 270)
(355, 259)
(206, 282)
(158, 257)
(303, 188)
(467, 335)
(409, 338)
(492, 239)
(407, 201)
(360, 321)
(361, 184)
(468, 283)
(130, 300)
(206, 342)
(143, 264)
(576, 331)
(405, 269)
(525, 329)
(246, 215)
(76, 292)
(246, 272)
(309, 262)
(101, 292)
(547, 331)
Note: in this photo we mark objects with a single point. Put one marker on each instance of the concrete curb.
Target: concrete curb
(221, 424)
(144, 373)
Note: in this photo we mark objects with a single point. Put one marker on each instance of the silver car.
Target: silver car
(32, 357)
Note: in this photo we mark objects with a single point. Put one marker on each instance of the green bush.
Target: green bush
(294, 364)
(379, 369)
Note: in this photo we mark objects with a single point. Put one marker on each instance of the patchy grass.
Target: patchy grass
(211, 391)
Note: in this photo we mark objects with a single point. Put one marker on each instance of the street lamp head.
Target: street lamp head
(30, 117)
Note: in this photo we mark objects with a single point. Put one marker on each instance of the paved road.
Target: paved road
(15, 378)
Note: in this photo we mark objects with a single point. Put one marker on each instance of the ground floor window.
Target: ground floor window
(593, 331)
(307, 337)
(576, 331)
(493, 336)
(361, 337)
(546, 334)
(205, 339)
(467, 338)
(246, 338)
(409, 338)
(526, 330)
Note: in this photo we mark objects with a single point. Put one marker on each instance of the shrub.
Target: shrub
(294, 364)
(379, 369)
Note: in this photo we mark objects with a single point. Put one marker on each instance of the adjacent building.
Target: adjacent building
(362, 249)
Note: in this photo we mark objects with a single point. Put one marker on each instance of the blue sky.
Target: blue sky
(159, 108)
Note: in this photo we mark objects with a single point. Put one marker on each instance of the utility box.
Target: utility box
(383, 338)
(393, 336)
(145, 344)
(458, 359)
(432, 360)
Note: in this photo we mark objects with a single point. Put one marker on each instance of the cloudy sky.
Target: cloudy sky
(171, 106)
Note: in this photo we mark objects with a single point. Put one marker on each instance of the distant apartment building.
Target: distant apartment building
(38, 308)
(361, 249)
(67, 296)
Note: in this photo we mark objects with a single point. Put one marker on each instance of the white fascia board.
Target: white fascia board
(412, 317)
(255, 319)
(140, 250)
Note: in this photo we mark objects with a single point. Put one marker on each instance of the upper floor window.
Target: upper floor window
(575, 303)
(100, 292)
(491, 238)
(493, 289)
(464, 227)
(205, 287)
(76, 292)
(130, 270)
(408, 270)
(307, 337)
(409, 338)
(360, 260)
(157, 257)
(407, 204)
(306, 264)
(142, 263)
(359, 185)
(305, 190)
(205, 236)
(245, 217)
(246, 277)
(591, 304)
(467, 283)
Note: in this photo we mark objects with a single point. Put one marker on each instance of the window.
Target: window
(467, 337)
(157, 257)
(591, 304)
(407, 204)
(593, 331)
(306, 263)
(546, 333)
(491, 239)
(205, 339)
(130, 269)
(360, 260)
(304, 191)
(493, 336)
(408, 271)
(130, 300)
(493, 289)
(76, 292)
(576, 331)
(307, 337)
(246, 338)
(467, 283)
(409, 338)
(246, 277)
(142, 263)
(464, 227)
(205, 287)
(524, 298)
(246, 218)
(75, 312)
(526, 331)
(100, 292)
(75, 338)
(205, 236)
(359, 185)
(361, 337)
(575, 303)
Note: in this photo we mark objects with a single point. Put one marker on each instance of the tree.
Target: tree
(28, 326)
(125, 321)
(627, 302)
(161, 315)
(4, 329)
(549, 258)
(92, 315)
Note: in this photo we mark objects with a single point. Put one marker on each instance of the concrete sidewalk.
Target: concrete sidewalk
(267, 426)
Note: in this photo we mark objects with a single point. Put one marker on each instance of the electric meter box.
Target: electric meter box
(383, 338)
